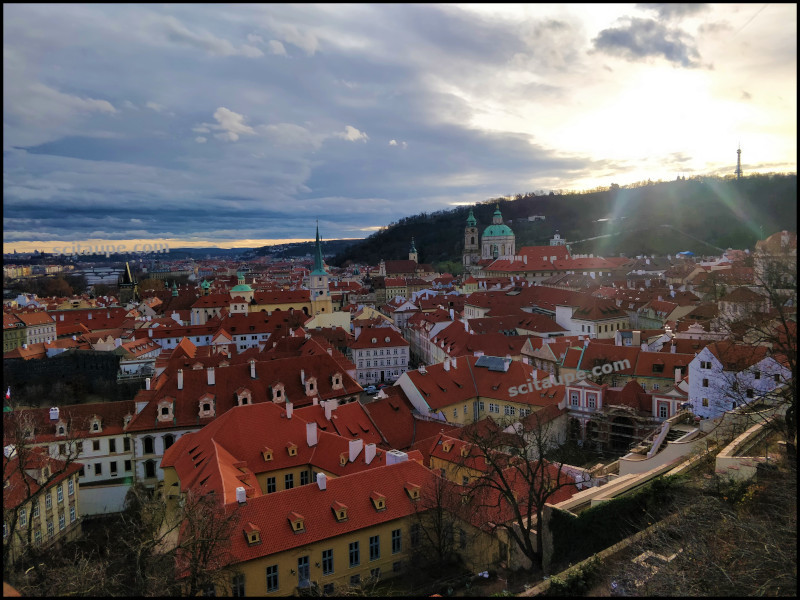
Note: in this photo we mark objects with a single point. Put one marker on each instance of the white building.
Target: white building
(380, 355)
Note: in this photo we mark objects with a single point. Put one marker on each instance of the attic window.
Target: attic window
(447, 446)
(378, 501)
(412, 489)
(465, 450)
(252, 534)
(297, 522)
(343, 459)
(387, 339)
(291, 447)
(266, 453)
(339, 511)
(374, 340)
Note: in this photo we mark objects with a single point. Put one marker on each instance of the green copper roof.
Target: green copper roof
(319, 268)
(243, 287)
(497, 230)
(413, 249)
(205, 284)
(471, 219)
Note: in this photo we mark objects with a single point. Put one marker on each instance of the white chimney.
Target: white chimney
(289, 410)
(147, 384)
(180, 379)
(452, 315)
(328, 409)
(395, 456)
(252, 368)
(355, 448)
(89, 316)
(241, 495)
(677, 376)
(302, 377)
(210, 372)
(150, 332)
(369, 453)
(525, 259)
(453, 362)
(311, 434)
(447, 364)
(672, 347)
(54, 413)
(586, 342)
(322, 481)
(422, 369)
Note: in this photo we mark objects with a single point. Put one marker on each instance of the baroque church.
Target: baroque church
(498, 241)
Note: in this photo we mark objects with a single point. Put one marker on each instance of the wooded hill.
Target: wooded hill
(702, 215)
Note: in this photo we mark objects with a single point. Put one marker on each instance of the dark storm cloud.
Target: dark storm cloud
(638, 39)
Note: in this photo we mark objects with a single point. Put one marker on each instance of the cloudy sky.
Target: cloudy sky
(230, 125)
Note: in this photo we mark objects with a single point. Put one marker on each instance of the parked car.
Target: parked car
(371, 389)
(382, 385)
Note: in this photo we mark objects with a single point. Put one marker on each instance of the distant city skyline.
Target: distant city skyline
(241, 125)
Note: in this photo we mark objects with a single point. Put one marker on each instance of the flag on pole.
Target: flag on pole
(8, 393)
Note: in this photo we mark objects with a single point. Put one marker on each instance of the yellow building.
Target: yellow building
(40, 501)
(14, 334)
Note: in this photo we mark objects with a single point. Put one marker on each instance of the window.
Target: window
(113, 465)
(777, 378)
(303, 571)
(374, 547)
(327, 561)
(705, 382)
(288, 481)
(592, 401)
(126, 444)
(414, 535)
(494, 408)
(455, 413)
(304, 478)
(272, 578)
(37, 537)
(127, 465)
(574, 398)
(96, 445)
(658, 368)
(35, 510)
(355, 559)
(62, 522)
(705, 401)
(60, 494)
(271, 485)
(147, 441)
(169, 439)
(355, 579)
(50, 529)
(149, 469)
(396, 541)
(758, 375)
(480, 405)
(750, 393)
(98, 468)
(23, 518)
(112, 445)
(663, 411)
(48, 501)
(72, 515)
(375, 573)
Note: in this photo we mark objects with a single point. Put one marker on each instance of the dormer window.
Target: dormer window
(206, 406)
(311, 386)
(243, 397)
(343, 457)
(446, 446)
(165, 410)
(465, 450)
(412, 489)
(252, 534)
(266, 453)
(278, 394)
(337, 381)
(339, 511)
(297, 522)
(378, 501)
(94, 424)
(61, 428)
(291, 448)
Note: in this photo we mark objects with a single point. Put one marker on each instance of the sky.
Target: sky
(245, 125)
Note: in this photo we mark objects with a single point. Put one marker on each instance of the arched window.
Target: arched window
(149, 447)
(169, 439)
(149, 469)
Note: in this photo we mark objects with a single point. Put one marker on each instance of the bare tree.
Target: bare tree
(435, 513)
(517, 480)
(29, 471)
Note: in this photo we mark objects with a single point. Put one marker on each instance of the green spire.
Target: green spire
(174, 288)
(413, 249)
(318, 264)
(471, 222)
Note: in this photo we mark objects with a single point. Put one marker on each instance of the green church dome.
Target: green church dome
(497, 230)
(242, 288)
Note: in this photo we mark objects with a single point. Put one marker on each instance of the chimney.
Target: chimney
(89, 316)
(302, 377)
(422, 370)
(453, 362)
(672, 293)
(447, 364)
(369, 453)
(252, 368)
(355, 448)
(672, 347)
(180, 379)
(525, 259)
(210, 373)
(330, 351)
(150, 332)
(322, 481)
(241, 495)
(466, 325)
(289, 410)
(677, 376)
(586, 342)
(54, 413)
(311, 434)
(147, 384)
(395, 456)
(328, 409)
(452, 315)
